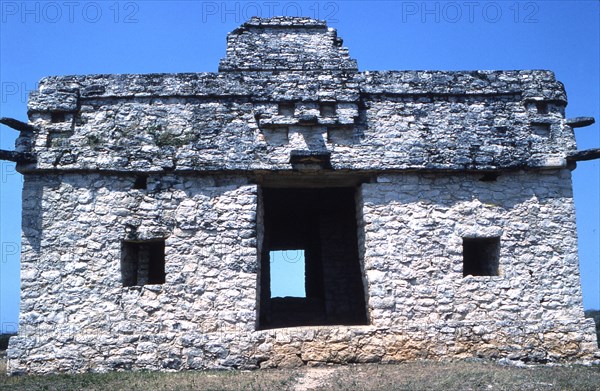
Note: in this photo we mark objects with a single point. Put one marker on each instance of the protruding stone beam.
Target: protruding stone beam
(580, 122)
(301, 160)
(17, 125)
(17, 157)
(587, 154)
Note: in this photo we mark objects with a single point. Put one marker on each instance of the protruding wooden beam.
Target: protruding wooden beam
(17, 125)
(18, 157)
(587, 154)
(580, 122)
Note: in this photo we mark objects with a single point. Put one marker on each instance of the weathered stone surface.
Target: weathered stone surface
(434, 157)
(580, 122)
(52, 100)
(232, 120)
(285, 44)
(15, 156)
(586, 154)
(148, 121)
(17, 125)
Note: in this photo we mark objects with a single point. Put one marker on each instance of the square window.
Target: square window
(57, 116)
(542, 107)
(143, 263)
(141, 182)
(286, 109)
(481, 256)
(327, 109)
(540, 129)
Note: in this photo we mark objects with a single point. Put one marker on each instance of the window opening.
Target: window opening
(57, 116)
(286, 109)
(143, 262)
(481, 256)
(141, 182)
(327, 109)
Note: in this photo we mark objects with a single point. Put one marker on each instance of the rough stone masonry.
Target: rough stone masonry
(434, 209)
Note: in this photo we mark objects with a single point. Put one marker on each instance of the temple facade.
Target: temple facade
(434, 211)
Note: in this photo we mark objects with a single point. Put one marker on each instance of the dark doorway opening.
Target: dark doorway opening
(321, 222)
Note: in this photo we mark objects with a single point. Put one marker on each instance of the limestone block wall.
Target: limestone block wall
(469, 131)
(235, 120)
(286, 43)
(414, 225)
(71, 266)
(77, 316)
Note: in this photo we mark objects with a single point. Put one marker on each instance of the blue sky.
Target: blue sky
(283, 264)
(38, 39)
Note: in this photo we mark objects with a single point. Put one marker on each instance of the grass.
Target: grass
(450, 376)
(145, 381)
(463, 376)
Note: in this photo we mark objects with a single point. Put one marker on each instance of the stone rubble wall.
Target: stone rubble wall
(77, 316)
(288, 84)
(285, 44)
(387, 120)
(550, 341)
(61, 93)
(413, 259)
(73, 226)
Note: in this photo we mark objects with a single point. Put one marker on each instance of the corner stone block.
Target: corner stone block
(52, 101)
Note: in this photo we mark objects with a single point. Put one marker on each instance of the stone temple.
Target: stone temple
(434, 209)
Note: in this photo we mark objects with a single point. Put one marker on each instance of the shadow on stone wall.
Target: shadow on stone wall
(4, 340)
(595, 314)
